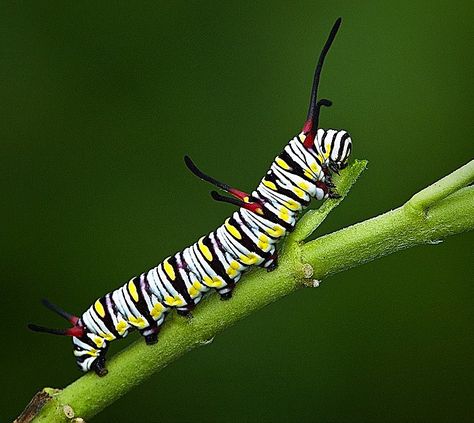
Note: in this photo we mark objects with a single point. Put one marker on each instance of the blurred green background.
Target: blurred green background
(99, 102)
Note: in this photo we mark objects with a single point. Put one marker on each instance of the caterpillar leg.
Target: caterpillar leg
(328, 186)
(272, 264)
(98, 366)
(151, 334)
(328, 190)
(226, 292)
(186, 311)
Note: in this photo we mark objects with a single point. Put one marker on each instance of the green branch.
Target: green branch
(443, 209)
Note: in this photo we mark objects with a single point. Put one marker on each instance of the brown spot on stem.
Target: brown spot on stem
(33, 407)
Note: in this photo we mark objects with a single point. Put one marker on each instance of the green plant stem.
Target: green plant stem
(442, 188)
(447, 208)
(393, 231)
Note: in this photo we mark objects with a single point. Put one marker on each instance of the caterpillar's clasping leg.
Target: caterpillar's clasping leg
(327, 189)
(272, 263)
(185, 311)
(99, 366)
(226, 293)
(151, 334)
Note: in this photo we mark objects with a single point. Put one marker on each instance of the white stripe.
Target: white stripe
(145, 293)
(131, 304)
(190, 262)
(98, 320)
(337, 145)
(90, 323)
(203, 262)
(218, 250)
(155, 283)
(165, 281)
(120, 303)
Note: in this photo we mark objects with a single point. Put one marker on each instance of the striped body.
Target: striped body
(217, 260)
(249, 237)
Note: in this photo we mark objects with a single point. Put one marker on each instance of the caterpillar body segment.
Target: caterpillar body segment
(249, 237)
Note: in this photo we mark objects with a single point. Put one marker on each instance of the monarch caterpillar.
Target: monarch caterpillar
(302, 171)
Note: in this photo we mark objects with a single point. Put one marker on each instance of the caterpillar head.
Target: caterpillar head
(333, 148)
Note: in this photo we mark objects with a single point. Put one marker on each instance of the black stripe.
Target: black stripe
(88, 341)
(179, 283)
(164, 290)
(271, 177)
(273, 219)
(295, 148)
(269, 196)
(333, 140)
(96, 318)
(342, 144)
(215, 263)
(185, 266)
(296, 167)
(107, 320)
(199, 269)
(247, 242)
(143, 288)
(127, 308)
(141, 304)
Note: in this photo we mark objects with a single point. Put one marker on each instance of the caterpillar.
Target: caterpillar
(302, 171)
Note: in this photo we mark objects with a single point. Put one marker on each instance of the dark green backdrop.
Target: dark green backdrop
(98, 105)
